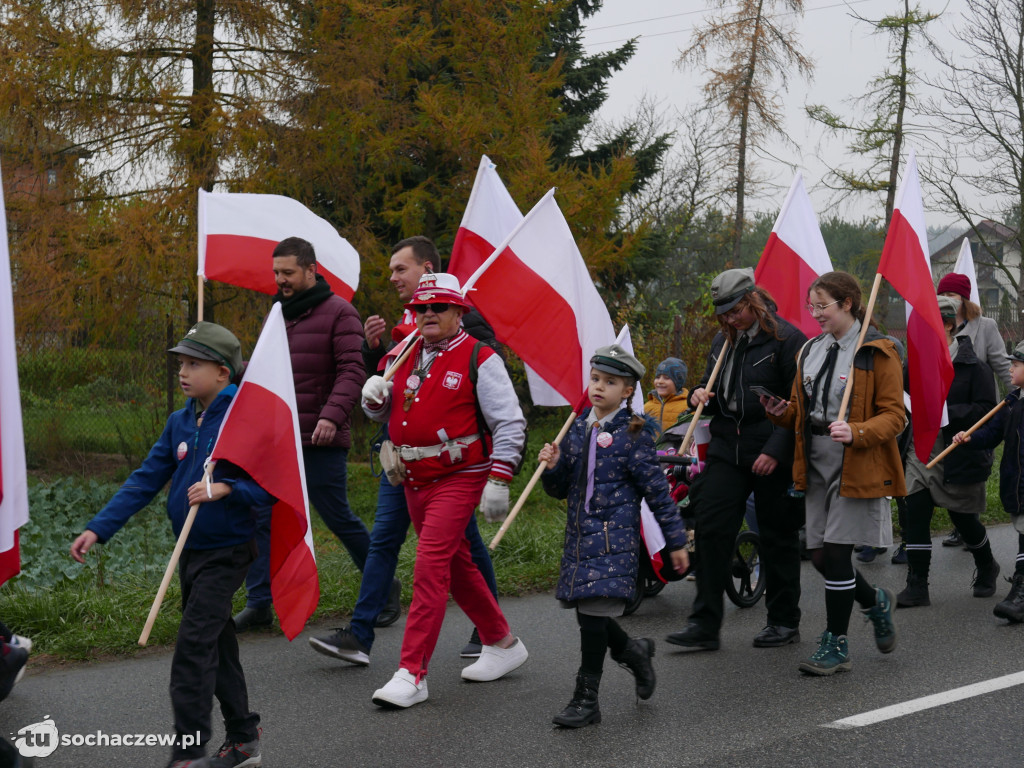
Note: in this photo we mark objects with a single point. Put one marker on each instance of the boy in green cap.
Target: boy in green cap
(217, 552)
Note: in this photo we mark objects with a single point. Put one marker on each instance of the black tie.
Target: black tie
(828, 368)
(734, 372)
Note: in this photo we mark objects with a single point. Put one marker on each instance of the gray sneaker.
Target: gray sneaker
(342, 644)
(233, 754)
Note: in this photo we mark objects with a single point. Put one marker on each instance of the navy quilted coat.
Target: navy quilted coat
(602, 546)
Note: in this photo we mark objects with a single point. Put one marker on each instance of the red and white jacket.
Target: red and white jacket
(444, 408)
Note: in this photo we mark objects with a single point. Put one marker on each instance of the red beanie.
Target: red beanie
(955, 283)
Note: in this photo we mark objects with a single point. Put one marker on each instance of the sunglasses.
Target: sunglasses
(437, 308)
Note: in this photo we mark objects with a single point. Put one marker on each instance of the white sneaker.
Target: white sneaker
(495, 662)
(401, 691)
(22, 642)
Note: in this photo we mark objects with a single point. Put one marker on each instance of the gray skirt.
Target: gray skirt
(597, 606)
(968, 498)
(836, 519)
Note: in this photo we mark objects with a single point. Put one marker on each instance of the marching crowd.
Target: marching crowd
(822, 417)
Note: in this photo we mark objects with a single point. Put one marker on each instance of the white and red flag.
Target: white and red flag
(965, 266)
(260, 434)
(13, 480)
(491, 215)
(907, 267)
(238, 232)
(536, 292)
(793, 258)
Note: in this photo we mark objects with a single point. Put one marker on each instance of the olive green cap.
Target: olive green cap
(617, 361)
(209, 341)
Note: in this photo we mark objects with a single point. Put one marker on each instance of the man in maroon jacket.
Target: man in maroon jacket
(325, 334)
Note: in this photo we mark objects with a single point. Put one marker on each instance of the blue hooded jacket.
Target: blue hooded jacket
(602, 545)
(178, 456)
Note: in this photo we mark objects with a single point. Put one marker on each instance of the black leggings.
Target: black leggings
(843, 585)
(598, 633)
(918, 537)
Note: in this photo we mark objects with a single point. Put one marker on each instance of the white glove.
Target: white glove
(494, 501)
(376, 389)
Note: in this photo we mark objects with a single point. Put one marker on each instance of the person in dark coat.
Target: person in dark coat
(747, 454)
(325, 334)
(607, 467)
(958, 482)
(1007, 426)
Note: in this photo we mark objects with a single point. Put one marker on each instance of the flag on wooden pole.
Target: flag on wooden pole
(906, 265)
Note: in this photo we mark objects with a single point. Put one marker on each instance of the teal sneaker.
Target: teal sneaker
(881, 615)
(833, 655)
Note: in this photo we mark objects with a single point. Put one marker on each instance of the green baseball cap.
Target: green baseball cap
(617, 361)
(209, 341)
(729, 287)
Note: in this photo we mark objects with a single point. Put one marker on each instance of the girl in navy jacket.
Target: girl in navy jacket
(607, 467)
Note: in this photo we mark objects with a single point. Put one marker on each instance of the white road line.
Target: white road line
(928, 702)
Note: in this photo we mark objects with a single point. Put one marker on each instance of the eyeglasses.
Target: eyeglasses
(437, 309)
(735, 312)
(820, 308)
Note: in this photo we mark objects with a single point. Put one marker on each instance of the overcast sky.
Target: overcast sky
(845, 54)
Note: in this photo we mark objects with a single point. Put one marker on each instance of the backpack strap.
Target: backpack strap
(474, 365)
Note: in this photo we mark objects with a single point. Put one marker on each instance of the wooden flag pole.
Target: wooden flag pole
(951, 446)
(199, 306)
(700, 408)
(168, 575)
(169, 571)
(841, 416)
(390, 372)
(529, 486)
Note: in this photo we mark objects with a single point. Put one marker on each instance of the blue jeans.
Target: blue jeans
(326, 476)
(390, 526)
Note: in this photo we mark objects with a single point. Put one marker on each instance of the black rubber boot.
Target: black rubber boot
(916, 592)
(583, 709)
(637, 659)
(1012, 608)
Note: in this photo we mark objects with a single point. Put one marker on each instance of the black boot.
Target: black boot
(985, 579)
(637, 659)
(916, 592)
(583, 709)
(1012, 608)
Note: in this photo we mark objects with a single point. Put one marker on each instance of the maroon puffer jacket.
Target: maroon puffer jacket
(327, 366)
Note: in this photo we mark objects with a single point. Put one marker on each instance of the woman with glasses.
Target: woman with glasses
(747, 454)
(848, 464)
(456, 424)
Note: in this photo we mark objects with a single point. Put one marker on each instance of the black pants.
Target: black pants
(721, 501)
(206, 662)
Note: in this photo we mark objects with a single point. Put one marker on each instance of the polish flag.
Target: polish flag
(793, 258)
(260, 434)
(238, 232)
(13, 480)
(965, 266)
(907, 267)
(491, 215)
(536, 292)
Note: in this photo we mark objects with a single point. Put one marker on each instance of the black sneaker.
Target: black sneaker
(899, 557)
(953, 539)
(11, 668)
(473, 648)
(233, 754)
(342, 645)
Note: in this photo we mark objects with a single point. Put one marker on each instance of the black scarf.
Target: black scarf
(303, 301)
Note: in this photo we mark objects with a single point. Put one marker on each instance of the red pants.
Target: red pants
(440, 513)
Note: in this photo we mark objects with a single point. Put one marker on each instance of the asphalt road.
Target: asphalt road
(736, 706)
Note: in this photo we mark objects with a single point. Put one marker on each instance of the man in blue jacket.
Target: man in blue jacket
(217, 554)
